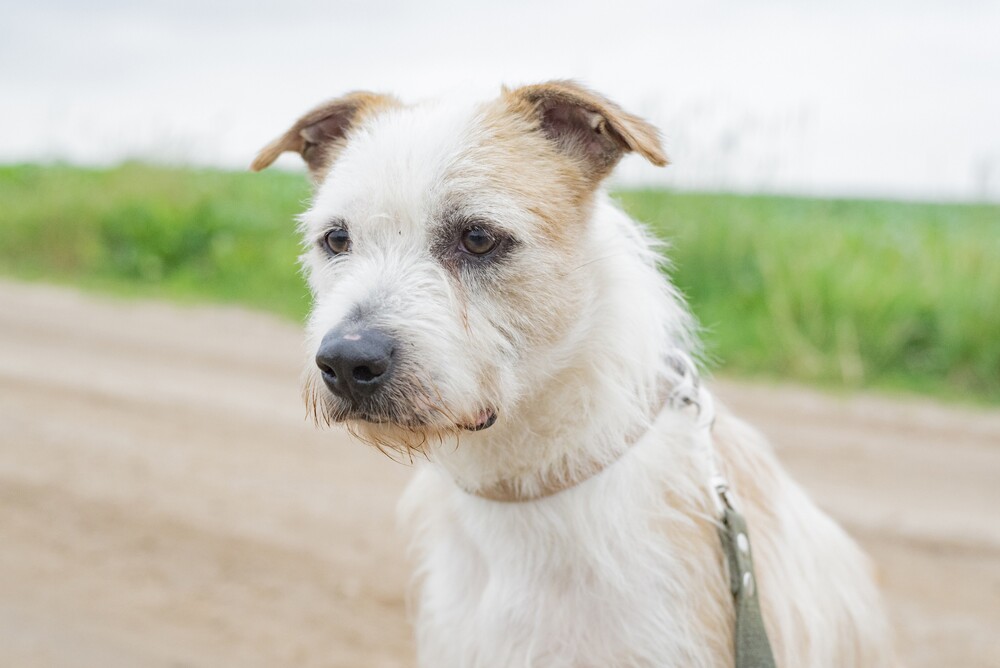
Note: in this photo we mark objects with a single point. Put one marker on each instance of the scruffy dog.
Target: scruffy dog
(480, 301)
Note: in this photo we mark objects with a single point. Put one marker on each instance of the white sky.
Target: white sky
(863, 97)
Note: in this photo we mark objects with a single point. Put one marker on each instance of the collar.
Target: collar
(506, 491)
(679, 394)
(751, 646)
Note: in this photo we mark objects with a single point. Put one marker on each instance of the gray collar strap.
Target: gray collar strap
(752, 649)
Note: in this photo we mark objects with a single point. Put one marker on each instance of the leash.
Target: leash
(752, 647)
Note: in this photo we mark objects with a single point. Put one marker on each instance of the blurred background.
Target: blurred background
(890, 99)
(833, 214)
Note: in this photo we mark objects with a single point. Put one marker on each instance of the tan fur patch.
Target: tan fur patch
(320, 134)
(517, 159)
(611, 129)
(548, 176)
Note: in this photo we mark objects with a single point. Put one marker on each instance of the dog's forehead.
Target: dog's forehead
(400, 166)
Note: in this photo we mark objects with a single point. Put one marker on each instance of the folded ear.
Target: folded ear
(322, 131)
(588, 127)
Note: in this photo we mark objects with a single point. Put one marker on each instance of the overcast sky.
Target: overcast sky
(896, 98)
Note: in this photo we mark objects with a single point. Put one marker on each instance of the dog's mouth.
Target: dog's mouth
(486, 418)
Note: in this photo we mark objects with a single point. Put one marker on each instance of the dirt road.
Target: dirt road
(164, 503)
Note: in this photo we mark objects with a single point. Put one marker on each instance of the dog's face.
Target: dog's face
(442, 245)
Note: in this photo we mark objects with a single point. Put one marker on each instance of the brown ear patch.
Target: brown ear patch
(587, 126)
(320, 132)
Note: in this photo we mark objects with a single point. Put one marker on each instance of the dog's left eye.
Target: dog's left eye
(478, 241)
(337, 241)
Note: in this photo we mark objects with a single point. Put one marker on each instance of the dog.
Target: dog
(481, 302)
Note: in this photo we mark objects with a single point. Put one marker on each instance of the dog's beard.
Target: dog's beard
(401, 421)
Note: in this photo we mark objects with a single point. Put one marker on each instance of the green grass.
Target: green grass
(851, 294)
(195, 235)
(854, 293)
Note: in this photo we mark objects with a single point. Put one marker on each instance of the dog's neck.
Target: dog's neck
(609, 388)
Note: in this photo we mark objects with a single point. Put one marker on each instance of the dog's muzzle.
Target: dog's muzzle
(356, 363)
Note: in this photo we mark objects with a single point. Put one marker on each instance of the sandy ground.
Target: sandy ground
(163, 501)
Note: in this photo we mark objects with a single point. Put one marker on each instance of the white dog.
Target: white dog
(480, 301)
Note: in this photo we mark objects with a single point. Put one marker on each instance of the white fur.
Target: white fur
(624, 568)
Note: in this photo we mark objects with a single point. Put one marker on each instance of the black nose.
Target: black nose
(355, 363)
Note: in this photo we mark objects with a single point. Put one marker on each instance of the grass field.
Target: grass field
(851, 294)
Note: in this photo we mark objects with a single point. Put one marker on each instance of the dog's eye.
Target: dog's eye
(478, 241)
(337, 241)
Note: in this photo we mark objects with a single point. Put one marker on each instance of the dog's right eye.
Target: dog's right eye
(477, 241)
(337, 241)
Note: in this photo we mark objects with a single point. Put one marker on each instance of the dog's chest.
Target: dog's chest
(572, 581)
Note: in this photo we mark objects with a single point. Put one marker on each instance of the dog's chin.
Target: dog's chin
(412, 436)
(485, 419)
(409, 430)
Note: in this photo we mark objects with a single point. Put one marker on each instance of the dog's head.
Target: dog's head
(442, 249)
